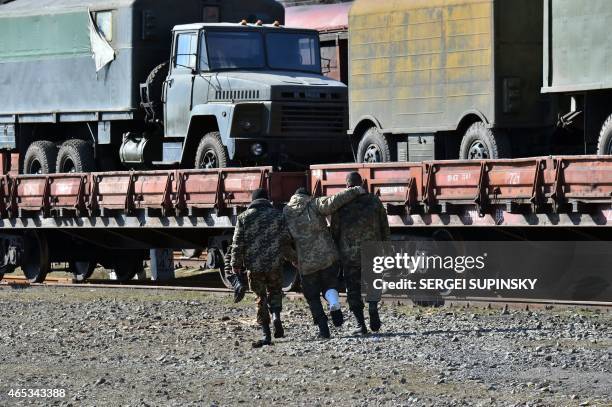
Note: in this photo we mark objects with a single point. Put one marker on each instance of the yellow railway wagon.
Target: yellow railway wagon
(450, 78)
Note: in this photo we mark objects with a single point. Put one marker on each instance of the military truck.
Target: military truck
(444, 77)
(463, 78)
(121, 84)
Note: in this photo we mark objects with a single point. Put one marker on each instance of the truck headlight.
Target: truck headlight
(246, 125)
(257, 149)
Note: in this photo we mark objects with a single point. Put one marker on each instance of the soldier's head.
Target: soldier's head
(259, 193)
(353, 179)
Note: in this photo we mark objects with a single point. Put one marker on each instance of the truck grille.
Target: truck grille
(313, 119)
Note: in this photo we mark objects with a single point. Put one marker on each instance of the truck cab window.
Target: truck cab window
(186, 49)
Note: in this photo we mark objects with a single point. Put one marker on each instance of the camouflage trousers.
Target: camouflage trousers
(268, 287)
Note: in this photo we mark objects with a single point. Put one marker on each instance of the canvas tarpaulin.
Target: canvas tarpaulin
(102, 52)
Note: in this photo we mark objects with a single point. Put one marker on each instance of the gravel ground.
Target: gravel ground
(109, 347)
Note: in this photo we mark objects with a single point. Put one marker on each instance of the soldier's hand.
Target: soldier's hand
(237, 270)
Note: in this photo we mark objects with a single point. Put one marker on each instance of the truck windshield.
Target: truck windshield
(233, 50)
(245, 50)
(293, 52)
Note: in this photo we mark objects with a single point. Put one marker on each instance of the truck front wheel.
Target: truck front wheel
(605, 138)
(75, 156)
(482, 143)
(373, 147)
(40, 158)
(211, 152)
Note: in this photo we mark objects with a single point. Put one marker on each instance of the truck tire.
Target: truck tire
(482, 143)
(75, 156)
(155, 83)
(40, 158)
(373, 147)
(211, 152)
(605, 138)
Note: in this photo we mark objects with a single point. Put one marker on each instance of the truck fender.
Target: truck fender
(471, 115)
(363, 120)
(224, 114)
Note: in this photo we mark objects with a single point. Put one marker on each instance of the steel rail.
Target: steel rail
(447, 302)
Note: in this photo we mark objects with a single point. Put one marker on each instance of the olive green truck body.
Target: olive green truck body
(422, 72)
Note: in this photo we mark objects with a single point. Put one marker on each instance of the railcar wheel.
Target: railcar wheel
(75, 156)
(373, 147)
(40, 158)
(191, 253)
(82, 270)
(211, 152)
(605, 138)
(226, 270)
(215, 259)
(482, 143)
(126, 269)
(36, 262)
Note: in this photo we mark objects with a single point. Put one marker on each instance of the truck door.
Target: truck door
(179, 86)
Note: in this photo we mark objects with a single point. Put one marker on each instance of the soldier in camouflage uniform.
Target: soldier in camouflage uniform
(317, 256)
(362, 220)
(261, 243)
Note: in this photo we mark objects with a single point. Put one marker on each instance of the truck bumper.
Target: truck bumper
(305, 151)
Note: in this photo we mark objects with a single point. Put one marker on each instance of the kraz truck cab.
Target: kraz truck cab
(243, 94)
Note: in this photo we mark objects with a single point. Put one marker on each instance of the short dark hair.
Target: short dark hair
(302, 191)
(353, 179)
(259, 193)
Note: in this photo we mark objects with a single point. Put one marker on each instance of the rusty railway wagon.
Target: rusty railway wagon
(115, 218)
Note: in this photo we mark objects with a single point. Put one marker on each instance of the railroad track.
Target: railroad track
(449, 302)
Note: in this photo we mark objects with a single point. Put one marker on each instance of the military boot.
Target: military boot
(323, 329)
(374, 317)
(266, 338)
(361, 325)
(279, 331)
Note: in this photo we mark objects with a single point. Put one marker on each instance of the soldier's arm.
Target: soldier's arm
(238, 244)
(328, 205)
(385, 231)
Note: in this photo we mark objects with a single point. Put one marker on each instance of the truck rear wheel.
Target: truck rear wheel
(605, 138)
(482, 143)
(211, 152)
(75, 156)
(373, 147)
(40, 158)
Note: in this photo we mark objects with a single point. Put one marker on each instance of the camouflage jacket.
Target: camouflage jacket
(306, 219)
(261, 240)
(362, 220)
